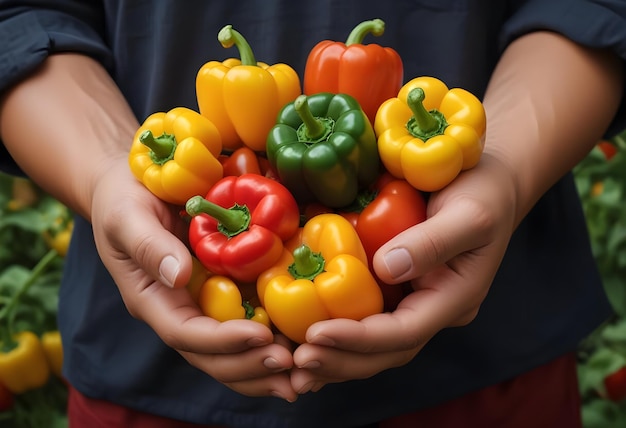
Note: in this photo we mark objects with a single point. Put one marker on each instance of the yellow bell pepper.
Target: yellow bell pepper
(242, 96)
(199, 275)
(323, 274)
(24, 367)
(428, 134)
(53, 348)
(220, 298)
(175, 154)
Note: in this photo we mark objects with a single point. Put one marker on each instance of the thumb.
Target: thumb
(168, 254)
(147, 242)
(431, 243)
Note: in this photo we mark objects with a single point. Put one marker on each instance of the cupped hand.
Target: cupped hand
(141, 242)
(450, 259)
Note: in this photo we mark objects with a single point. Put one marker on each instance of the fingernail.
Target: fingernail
(256, 341)
(273, 364)
(322, 341)
(168, 269)
(398, 262)
(279, 395)
(306, 388)
(311, 365)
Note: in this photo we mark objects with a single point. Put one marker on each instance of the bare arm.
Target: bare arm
(548, 103)
(42, 124)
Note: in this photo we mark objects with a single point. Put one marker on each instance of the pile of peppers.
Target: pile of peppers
(290, 187)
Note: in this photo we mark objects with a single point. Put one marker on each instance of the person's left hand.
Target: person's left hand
(451, 260)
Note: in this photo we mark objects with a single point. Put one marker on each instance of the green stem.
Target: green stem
(375, 26)
(313, 129)
(229, 37)
(6, 339)
(249, 309)
(161, 148)
(424, 124)
(363, 199)
(306, 264)
(8, 311)
(231, 221)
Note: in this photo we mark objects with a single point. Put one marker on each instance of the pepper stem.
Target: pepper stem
(375, 26)
(313, 129)
(229, 37)
(162, 148)
(8, 311)
(424, 124)
(306, 264)
(248, 309)
(362, 200)
(231, 221)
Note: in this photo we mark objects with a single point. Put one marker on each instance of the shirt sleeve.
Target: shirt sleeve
(599, 24)
(29, 33)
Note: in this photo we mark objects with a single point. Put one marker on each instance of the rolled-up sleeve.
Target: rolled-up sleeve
(31, 31)
(599, 24)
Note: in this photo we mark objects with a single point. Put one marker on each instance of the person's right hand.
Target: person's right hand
(141, 242)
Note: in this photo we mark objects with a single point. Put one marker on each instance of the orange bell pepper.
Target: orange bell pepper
(175, 155)
(370, 73)
(428, 134)
(323, 274)
(242, 96)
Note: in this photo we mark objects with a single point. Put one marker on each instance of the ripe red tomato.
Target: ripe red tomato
(615, 385)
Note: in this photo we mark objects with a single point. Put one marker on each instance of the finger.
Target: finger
(275, 385)
(253, 363)
(317, 366)
(149, 237)
(178, 321)
(418, 317)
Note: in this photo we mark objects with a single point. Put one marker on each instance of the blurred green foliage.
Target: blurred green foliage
(601, 181)
(30, 275)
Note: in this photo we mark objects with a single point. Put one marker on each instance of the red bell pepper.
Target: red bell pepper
(238, 229)
(370, 73)
(245, 160)
(388, 208)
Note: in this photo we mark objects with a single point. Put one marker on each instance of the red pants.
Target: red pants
(545, 397)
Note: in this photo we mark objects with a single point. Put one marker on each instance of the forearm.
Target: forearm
(548, 102)
(64, 125)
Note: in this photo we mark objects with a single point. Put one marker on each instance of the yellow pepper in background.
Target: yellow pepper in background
(60, 239)
(25, 366)
(428, 134)
(53, 348)
(220, 298)
(242, 97)
(322, 274)
(175, 155)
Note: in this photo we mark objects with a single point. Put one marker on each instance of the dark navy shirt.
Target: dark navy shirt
(546, 296)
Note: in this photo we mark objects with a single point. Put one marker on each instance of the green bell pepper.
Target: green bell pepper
(324, 149)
